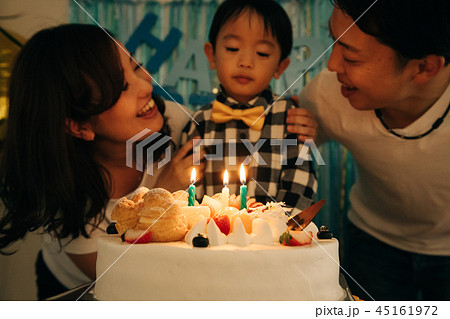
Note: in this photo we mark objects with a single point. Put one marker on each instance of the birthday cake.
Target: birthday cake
(168, 250)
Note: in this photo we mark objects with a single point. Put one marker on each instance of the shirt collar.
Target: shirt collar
(429, 117)
(265, 98)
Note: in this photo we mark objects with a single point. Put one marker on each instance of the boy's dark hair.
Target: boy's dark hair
(413, 28)
(275, 20)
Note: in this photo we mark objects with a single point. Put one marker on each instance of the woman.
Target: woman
(76, 97)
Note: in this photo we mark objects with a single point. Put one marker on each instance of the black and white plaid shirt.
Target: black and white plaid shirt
(268, 178)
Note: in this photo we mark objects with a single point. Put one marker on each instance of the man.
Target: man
(386, 98)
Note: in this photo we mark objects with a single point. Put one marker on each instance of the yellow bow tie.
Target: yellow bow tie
(222, 114)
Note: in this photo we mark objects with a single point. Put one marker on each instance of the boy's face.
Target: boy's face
(369, 71)
(246, 57)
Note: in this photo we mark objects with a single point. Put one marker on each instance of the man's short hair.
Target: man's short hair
(413, 28)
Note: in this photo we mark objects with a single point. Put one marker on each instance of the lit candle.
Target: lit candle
(191, 199)
(225, 190)
(243, 188)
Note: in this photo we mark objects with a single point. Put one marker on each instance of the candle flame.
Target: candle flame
(225, 178)
(242, 174)
(193, 176)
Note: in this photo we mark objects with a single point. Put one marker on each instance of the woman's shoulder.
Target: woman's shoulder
(177, 117)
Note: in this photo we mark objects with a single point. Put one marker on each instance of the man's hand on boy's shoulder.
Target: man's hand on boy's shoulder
(301, 121)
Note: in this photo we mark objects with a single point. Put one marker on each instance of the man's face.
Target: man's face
(369, 71)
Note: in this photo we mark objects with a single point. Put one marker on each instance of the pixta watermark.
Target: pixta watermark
(137, 146)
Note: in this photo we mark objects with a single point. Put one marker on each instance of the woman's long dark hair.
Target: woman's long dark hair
(48, 177)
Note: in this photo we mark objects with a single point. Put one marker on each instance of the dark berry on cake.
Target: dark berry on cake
(111, 229)
(324, 233)
(200, 241)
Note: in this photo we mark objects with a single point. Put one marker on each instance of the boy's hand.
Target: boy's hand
(177, 175)
(301, 122)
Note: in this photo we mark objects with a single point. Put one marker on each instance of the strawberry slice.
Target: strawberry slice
(303, 237)
(134, 236)
(223, 222)
(296, 238)
(253, 205)
(287, 240)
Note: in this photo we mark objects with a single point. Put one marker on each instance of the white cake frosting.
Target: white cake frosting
(244, 260)
(178, 271)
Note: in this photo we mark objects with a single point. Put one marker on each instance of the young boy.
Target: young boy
(249, 44)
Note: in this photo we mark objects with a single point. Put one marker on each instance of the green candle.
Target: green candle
(243, 196)
(191, 198)
(243, 188)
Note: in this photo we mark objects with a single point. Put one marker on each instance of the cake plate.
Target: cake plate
(80, 293)
(86, 292)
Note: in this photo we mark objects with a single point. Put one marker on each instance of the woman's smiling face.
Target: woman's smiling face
(134, 111)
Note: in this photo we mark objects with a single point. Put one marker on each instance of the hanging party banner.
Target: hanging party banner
(168, 38)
